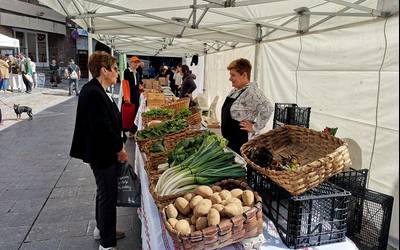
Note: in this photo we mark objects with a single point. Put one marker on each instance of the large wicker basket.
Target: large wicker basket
(194, 119)
(170, 141)
(320, 156)
(177, 105)
(229, 231)
(146, 143)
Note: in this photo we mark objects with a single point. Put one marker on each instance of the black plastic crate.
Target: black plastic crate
(291, 114)
(315, 218)
(355, 182)
(376, 212)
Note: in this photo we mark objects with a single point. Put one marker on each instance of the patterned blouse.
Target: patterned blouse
(251, 105)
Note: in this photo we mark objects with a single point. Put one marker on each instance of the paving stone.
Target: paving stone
(9, 246)
(82, 213)
(33, 205)
(74, 243)
(17, 219)
(64, 192)
(10, 235)
(51, 215)
(24, 194)
(57, 230)
(52, 244)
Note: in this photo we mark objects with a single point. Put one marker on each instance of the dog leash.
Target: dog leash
(6, 104)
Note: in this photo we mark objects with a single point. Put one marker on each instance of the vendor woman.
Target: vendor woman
(246, 110)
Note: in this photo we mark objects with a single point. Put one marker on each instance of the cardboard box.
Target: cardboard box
(162, 81)
(148, 83)
(155, 100)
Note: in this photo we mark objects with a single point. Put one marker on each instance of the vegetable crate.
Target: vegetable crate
(291, 114)
(376, 213)
(315, 218)
(355, 182)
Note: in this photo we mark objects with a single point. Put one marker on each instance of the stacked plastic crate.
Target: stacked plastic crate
(291, 114)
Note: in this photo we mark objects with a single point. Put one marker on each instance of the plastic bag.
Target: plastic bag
(129, 190)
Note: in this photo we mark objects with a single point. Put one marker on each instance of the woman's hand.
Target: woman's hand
(122, 155)
(247, 125)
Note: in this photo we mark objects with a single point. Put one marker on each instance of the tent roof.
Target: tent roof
(185, 27)
(8, 42)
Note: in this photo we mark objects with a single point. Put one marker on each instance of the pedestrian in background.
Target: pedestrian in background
(188, 84)
(26, 72)
(178, 79)
(73, 74)
(14, 71)
(54, 73)
(98, 141)
(4, 73)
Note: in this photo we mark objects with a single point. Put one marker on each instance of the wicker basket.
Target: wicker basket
(146, 143)
(194, 120)
(177, 105)
(229, 231)
(170, 141)
(320, 156)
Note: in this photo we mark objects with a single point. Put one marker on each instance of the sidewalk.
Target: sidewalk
(38, 100)
(47, 198)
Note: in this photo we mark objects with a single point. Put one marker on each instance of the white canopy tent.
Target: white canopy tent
(339, 57)
(8, 42)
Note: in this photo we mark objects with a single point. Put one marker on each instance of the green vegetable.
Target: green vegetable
(208, 165)
(185, 112)
(186, 148)
(157, 147)
(159, 113)
(163, 128)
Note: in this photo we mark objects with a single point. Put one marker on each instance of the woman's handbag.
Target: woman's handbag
(129, 189)
(128, 116)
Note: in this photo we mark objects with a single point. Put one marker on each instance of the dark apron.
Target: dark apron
(230, 128)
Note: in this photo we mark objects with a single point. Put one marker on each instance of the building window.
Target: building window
(34, 45)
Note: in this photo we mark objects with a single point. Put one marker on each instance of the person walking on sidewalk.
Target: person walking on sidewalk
(74, 74)
(98, 140)
(26, 71)
(4, 73)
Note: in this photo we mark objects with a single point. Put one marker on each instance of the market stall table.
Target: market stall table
(155, 235)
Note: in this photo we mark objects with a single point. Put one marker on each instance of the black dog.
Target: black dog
(21, 109)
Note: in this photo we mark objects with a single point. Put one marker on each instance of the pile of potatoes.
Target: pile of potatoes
(206, 206)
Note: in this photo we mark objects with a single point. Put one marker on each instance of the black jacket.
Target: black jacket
(133, 86)
(97, 137)
(188, 86)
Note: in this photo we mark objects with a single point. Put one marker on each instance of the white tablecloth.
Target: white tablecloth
(156, 237)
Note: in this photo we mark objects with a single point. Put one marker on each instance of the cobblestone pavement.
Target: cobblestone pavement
(47, 198)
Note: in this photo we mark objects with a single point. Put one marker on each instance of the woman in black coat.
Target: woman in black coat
(98, 141)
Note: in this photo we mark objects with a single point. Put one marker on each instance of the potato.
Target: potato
(204, 191)
(225, 194)
(246, 208)
(237, 193)
(213, 217)
(216, 188)
(201, 223)
(218, 207)
(248, 198)
(193, 219)
(189, 196)
(195, 200)
(233, 209)
(215, 198)
(172, 222)
(182, 205)
(171, 211)
(192, 229)
(235, 200)
(202, 208)
(183, 227)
